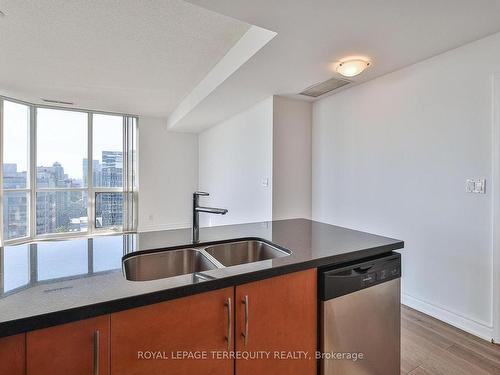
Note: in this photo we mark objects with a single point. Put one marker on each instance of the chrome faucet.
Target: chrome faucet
(196, 213)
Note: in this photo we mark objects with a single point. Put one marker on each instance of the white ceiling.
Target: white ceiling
(132, 56)
(148, 57)
(312, 35)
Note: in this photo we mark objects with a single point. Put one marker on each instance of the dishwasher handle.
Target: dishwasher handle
(362, 270)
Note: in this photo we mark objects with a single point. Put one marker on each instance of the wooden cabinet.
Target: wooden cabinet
(204, 333)
(278, 316)
(12, 355)
(155, 339)
(75, 348)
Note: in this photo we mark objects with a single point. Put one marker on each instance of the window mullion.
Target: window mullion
(125, 173)
(129, 209)
(56, 189)
(107, 190)
(90, 177)
(1, 171)
(32, 173)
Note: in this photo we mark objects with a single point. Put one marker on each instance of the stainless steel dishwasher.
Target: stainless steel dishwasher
(361, 317)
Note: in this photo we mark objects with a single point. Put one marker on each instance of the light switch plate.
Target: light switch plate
(475, 186)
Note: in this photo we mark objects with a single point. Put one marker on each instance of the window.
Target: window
(15, 197)
(61, 156)
(109, 208)
(107, 173)
(65, 172)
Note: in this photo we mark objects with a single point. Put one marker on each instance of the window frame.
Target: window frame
(129, 189)
(28, 188)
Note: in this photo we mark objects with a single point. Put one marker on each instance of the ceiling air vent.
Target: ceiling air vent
(324, 87)
(57, 101)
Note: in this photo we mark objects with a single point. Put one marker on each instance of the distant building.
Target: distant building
(55, 210)
(12, 179)
(109, 210)
(109, 206)
(96, 172)
(54, 177)
(79, 224)
(63, 211)
(15, 204)
(112, 169)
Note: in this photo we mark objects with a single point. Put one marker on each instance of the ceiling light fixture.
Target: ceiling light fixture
(351, 68)
(2, 14)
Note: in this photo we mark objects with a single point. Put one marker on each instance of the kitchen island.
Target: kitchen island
(50, 284)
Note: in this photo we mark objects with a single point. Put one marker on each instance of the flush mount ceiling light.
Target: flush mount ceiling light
(351, 68)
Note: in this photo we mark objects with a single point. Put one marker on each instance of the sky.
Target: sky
(61, 136)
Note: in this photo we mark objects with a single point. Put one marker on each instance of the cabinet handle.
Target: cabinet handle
(96, 351)
(229, 323)
(245, 334)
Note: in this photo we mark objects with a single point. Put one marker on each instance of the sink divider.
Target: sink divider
(210, 257)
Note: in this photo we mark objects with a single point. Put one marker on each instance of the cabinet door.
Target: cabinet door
(156, 339)
(12, 355)
(278, 316)
(75, 348)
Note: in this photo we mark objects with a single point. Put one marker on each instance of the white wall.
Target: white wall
(391, 157)
(235, 157)
(292, 132)
(168, 175)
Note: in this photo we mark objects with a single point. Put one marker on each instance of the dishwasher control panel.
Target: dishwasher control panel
(347, 278)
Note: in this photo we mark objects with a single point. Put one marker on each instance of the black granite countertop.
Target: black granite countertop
(48, 283)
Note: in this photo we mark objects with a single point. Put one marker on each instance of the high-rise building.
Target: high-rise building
(54, 177)
(63, 211)
(12, 179)
(96, 172)
(109, 206)
(112, 168)
(14, 203)
(56, 210)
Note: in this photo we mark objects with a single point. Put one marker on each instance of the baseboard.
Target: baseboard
(468, 325)
(160, 227)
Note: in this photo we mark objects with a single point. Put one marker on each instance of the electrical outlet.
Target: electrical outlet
(475, 186)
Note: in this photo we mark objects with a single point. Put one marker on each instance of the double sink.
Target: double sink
(191, 260)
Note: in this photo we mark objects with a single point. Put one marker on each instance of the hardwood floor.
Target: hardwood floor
(431, 347)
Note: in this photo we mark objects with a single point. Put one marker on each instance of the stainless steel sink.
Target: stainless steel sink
(169, 263)
(164, 264)
(241, 252)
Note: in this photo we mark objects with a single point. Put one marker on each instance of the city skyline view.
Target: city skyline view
(112, 167)
(61, 136)
(62, 160)
(63, 211)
